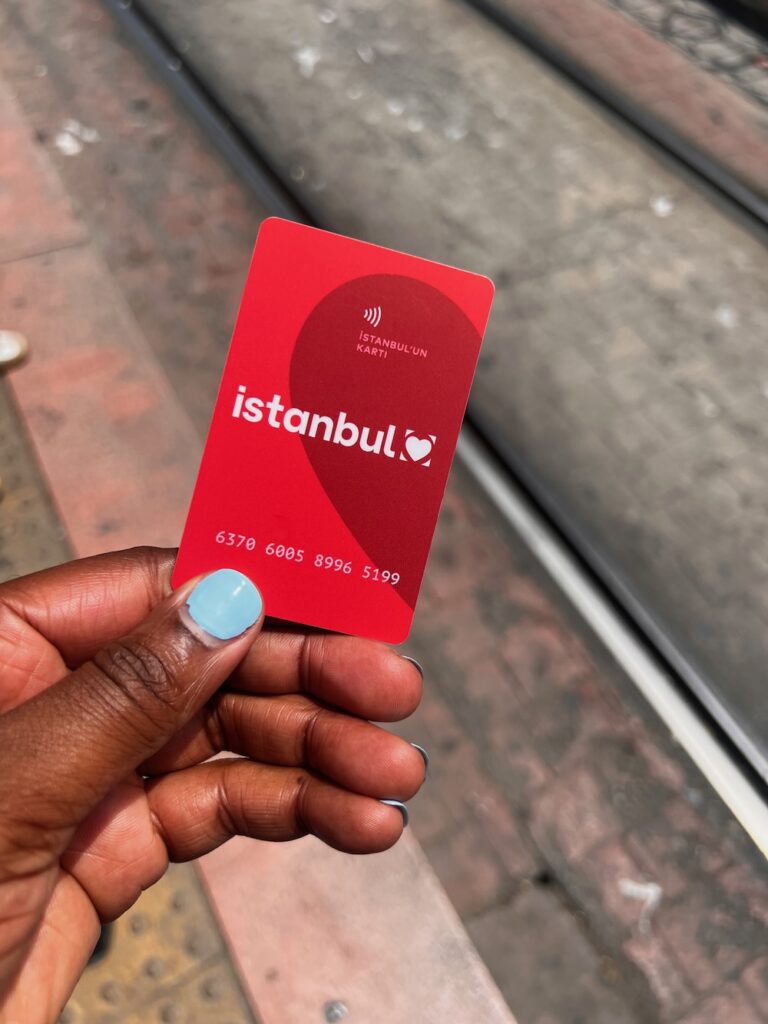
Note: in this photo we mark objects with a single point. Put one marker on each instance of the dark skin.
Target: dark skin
(110, 707)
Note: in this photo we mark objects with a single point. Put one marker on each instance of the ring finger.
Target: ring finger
(198, 809)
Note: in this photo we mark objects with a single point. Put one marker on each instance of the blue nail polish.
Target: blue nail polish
(225, 604)
(401, 807)
(416, 665)
(425, 757)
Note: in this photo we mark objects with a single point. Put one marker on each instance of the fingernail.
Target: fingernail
(225, 604)
(407, 657)
(401, 807)
(425, 755)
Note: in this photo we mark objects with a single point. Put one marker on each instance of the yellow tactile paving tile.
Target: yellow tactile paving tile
(31, 536)
(165, 963)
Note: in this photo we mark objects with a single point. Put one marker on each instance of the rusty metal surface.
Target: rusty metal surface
(166, 962)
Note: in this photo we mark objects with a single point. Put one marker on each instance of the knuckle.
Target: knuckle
(221, 723)
(29, 843)
(151, 559)
(307, 738)
(311, 657)
(139, 673)
(296, 798)
(35, 821)
(229, 808)
(152, 565)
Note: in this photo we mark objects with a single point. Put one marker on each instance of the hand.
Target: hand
(114, 694)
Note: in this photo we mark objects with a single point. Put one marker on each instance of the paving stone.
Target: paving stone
(460, 790)
(661, 973)
(486, 745)
(745, 884)
(573, 815)
(432, 812)
(678, 84)
(755, 978)
(622, 883)
(174, 225)
(311, 925)
(537, 649)
(35, 212)
(629, 899)
(546, 968)
(620, 805)
(714, 936)
(677, 844)
(107, 429)
(731, 1006)
(469, 870)
(614, 781)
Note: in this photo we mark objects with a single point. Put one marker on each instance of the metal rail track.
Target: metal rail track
(736, 769)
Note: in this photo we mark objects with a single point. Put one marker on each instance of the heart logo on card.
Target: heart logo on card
(418, 448)
(408, 381)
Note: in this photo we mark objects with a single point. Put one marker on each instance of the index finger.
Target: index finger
(82, 605)
(363, 677)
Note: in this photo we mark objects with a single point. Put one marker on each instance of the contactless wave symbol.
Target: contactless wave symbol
(373, 316)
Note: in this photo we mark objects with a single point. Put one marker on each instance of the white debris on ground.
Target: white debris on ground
(455, 132)
(647, 893)
(72, 137)
(307, 57)
(726, 315)
(662, 206)
(707, 406)
(13, 348)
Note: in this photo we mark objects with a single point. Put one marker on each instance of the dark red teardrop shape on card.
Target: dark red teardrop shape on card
(412, 372)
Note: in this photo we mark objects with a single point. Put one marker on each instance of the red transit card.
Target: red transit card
(335, 428)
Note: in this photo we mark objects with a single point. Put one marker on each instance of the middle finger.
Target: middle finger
(364, 677)
(297, 731)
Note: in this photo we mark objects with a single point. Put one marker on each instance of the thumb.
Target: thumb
(62, 751)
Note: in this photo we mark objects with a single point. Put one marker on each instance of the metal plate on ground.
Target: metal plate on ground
(165, 962)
